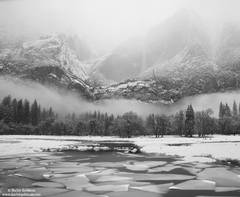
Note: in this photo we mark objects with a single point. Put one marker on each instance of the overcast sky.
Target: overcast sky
(105, 22)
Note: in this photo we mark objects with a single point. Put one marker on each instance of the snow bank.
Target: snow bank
(191, 149)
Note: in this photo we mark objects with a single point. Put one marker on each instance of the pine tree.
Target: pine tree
(93, 127)
(44, 114)
(179, 122)
(26, 112)
(221, 121)
(227, 111)
(151, 124)
(235, 111)
(6, 112)
(161, 125)
(221, 111)
(98, 116)
(80, 128)
(34, 113)
(73, 117)
(39, 113)
(238, 108)
(14, 110)
(50, 112)
(20, 112)
(107, 124)
(94, 115)
(189, 122)
(7, 101)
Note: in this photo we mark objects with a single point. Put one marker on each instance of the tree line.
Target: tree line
(19, 116)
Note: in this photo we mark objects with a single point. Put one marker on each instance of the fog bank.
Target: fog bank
(67, 102)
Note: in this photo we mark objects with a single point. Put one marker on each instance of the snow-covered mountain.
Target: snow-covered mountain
(228, 49)
(51, 50)
(176, 58)
(165, 41)
(161, 44)
(49, 60)
(124, 62)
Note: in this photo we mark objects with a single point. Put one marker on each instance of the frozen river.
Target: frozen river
(171, 166)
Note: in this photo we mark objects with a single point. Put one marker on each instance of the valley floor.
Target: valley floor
(190, 149)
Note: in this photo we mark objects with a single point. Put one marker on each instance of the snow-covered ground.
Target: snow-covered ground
(191, 149)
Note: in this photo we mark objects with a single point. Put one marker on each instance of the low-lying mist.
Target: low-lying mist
(68, 102)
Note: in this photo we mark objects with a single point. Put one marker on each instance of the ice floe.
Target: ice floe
(195, 185)
(222, 177)
(160, 189)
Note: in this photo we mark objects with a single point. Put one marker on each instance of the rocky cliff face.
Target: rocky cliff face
(49, 60)
(176, 58)
(228, 49)
(161, 44)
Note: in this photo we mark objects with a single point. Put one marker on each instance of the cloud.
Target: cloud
(63, 101)
(105, 23)
(67, 102)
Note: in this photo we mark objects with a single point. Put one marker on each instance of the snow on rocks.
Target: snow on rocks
(55, 49)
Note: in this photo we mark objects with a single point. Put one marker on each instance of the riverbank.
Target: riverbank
(190, 149)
